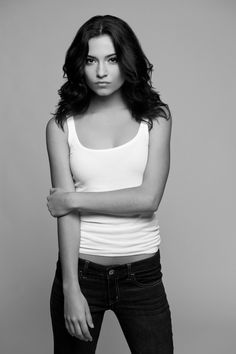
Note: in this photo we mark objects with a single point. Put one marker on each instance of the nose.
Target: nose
(101, 70)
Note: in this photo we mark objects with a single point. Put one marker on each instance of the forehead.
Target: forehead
(100, 46)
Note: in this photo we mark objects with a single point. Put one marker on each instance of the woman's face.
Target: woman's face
(102, 72)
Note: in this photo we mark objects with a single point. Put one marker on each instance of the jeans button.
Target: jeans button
(111, 272)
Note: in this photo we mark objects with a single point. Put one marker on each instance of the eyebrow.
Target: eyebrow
(107, 56)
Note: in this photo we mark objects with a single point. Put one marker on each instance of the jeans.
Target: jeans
(136, 294)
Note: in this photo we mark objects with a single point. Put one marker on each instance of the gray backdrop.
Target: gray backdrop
(192, 45)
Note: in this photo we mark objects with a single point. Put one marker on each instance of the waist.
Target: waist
(134, 266)
(102, 270)
(116, 260)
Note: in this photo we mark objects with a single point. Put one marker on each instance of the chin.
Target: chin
(104, 92)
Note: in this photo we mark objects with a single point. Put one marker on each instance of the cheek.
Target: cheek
(88, 75)
(119, 77)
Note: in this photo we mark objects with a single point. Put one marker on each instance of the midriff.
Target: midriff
(111, 260)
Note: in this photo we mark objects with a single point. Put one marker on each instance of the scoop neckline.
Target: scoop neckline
(106, 149)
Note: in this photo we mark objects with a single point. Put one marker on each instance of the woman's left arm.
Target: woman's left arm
(129, 201)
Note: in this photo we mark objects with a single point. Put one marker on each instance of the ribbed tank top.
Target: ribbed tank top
(96, 170)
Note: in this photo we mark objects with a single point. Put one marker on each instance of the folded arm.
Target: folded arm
(129, 201)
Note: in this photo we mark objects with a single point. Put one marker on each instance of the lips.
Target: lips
(102, 83)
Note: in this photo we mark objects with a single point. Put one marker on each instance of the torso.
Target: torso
(101, 131)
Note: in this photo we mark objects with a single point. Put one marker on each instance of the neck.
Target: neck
(105, 103)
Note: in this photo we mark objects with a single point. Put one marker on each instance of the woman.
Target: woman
(109, 153)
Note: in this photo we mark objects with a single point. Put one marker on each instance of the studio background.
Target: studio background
(192, 46)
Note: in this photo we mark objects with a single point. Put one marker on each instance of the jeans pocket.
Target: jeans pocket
(147, 277)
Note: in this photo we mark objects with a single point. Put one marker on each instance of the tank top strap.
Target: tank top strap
(145, 127)
(71, 130)
(146, 121)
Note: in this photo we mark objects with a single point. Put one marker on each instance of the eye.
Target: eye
(113, 60)
(89, 61)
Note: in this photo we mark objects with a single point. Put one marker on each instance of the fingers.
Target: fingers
(51, 202)
(88, 316)
(70, 328)
(52, 190)
(50, 210)
(58, 190)
(78, 329)
(85, 330)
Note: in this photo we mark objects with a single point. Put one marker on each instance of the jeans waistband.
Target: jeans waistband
(88, 266)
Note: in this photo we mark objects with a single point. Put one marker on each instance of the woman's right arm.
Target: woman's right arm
(76, 309)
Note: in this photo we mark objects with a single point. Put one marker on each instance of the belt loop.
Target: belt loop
(129, 270)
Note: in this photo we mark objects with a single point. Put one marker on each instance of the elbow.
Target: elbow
(154, 206)
(151, 204)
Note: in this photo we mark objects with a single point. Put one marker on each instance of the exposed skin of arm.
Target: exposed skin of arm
(143, 199)
(76, 310)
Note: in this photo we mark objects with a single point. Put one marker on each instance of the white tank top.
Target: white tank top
(96, 170)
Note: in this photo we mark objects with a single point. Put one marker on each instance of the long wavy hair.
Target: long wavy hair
(137, 90)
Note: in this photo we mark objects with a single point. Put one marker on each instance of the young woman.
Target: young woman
(109, 153)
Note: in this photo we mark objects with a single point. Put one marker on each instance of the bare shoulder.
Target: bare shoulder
(161, 130)
(54, 131)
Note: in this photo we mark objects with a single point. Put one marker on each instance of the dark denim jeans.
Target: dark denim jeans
(134, 291)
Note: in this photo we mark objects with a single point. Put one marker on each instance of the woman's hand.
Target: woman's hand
(58, 202)
(77, 314)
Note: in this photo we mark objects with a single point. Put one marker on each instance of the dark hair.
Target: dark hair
(137, 91)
